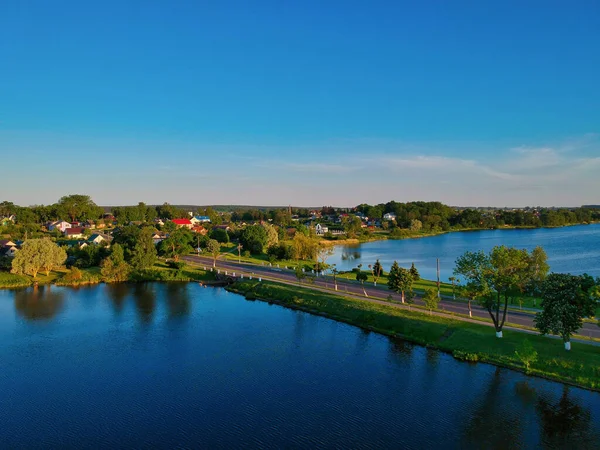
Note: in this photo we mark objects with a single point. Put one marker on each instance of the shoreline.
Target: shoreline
(357, 313)
(387, 236)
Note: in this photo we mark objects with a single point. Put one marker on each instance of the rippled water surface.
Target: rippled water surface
(177, 365)
(570, 249)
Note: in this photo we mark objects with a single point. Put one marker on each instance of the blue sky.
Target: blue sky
(305, 103)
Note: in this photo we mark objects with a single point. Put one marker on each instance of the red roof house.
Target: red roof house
(183, 223)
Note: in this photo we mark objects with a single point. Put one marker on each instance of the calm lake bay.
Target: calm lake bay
(178, 365)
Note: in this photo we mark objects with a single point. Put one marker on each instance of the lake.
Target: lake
(177, 365)
(573, 250)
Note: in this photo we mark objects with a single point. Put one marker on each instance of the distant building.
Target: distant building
(389, 216)
(200, 219)
(60, 225)
(74, 233)
(183, 223)
(320, 230)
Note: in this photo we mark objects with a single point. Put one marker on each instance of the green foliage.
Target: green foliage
(362, 277)
(254, 238)
(214, 248)
(431, 299)
(5, 263)
(526, 354)
(37, 255)
(114, 268)
(73, 275)
(144, 253)
(394, 277)
(300, 275)
(566, 300)
(377, 271)
(498, 277)
(414, 272)
(220, 235)
(78, 207)
(465, 356)
(178, 243)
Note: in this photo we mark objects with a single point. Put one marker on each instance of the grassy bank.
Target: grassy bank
(63, 277)
(466, 341)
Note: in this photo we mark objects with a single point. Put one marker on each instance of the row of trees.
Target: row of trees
(505, 273)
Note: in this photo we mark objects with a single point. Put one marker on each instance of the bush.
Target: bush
(74, 275)
(246, 253)
(5, 263)
(177, 265)
(465, 356)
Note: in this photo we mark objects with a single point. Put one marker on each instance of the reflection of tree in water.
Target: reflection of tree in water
(493, 424)
(178, 299)
(566, 424)
(38, 303)
(400, 348)
(118, 292)
(145, 300)
(349, 253)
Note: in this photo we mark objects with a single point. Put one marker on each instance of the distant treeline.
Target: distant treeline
(426, 216)
(436, 215)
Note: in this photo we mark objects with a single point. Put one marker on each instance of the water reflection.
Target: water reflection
(178, 300)
(492, 424)
(117, 292)
(145, 300)
(400, 349)
(564, 421)
(350, 253)
(38, 303)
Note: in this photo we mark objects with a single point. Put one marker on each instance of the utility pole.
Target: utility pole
(239, 247)
(438, 275)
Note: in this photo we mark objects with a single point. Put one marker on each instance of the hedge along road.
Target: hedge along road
(523, 319)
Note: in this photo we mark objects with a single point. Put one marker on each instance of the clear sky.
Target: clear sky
(305, 103)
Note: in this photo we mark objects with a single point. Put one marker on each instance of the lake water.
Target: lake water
(177, 365)
(573, 250)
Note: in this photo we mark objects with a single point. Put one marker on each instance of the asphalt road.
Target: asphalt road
(380, 293)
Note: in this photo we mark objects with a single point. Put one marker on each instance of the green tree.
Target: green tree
(414, 272)
(362, 277)
(144, 251)
(220, 235)
(36, 255)
(114, 268)
(495, 278)
(178, 243)
(431, 299)
(214, 248)
(254, 238)
(78, 207)
(566, 300)
(352, 225)
(473, 266)
(526, 354)
(272, 234)
(377, 271)
(299, 272)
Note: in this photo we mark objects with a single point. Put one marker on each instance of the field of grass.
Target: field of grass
(465, 340)
(11, 280)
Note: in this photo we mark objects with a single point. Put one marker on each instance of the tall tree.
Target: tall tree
(214, 248)
(377, 271)
(495, 279)
(362, 277)
(394, 277)
(414, 272)
(431, 299)
(114, 268)
(178, 243)
(78, 207)
(144, 251)
(566, 300)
